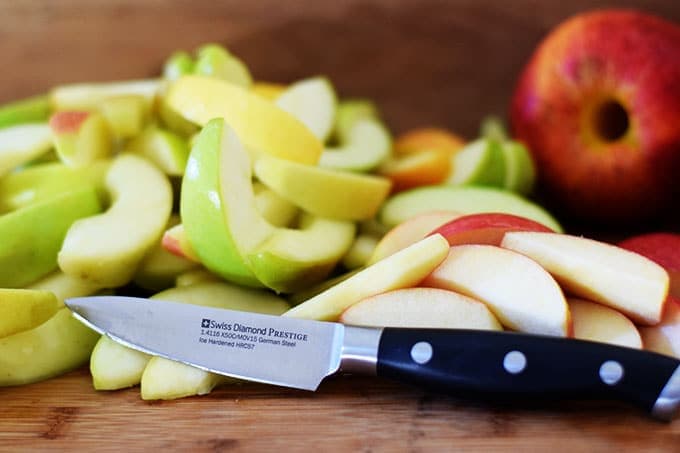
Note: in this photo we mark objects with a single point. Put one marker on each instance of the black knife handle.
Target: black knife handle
(512, 365)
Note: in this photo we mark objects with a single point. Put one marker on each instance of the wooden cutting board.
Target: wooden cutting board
(348, 413)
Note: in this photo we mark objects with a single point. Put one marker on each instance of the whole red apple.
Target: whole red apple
(599, 107)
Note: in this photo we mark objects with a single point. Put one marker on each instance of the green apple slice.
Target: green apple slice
(215, 61)
(88, 96)
(274, 208)
(324, 192)
(403, 269)
(106, 249)
(367, 145)
(167, 150)
(33, 235)
(520, 172)
(30, 110)
(80, 138)
(41, 182)
(25, 309)
(466, 200)
(492, 127)
(312, 101)
(65, 286)
(350, 111)
(125, 115)
(23, 143)
(260, 124)
(480, 162)
(59, 345)
(177, 65)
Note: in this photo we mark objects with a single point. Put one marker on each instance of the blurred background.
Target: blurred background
(426, 62)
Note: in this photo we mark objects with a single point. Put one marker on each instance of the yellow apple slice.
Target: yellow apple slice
(65, 286)
(88, 96)
(664, 337)
(596, 322)
(80, 137)
(312, 101)
(24, 309)
(367, 145)
(403, 269)
(323, 192)
(522, 295)
(421, 308)
(259, 123)
(23, 143)
(410, 232)
(106, 249)
(268, 90)
(596, 271)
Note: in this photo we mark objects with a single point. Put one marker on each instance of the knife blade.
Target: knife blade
(301, 353)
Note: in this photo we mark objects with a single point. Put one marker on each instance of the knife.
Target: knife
(301, 353)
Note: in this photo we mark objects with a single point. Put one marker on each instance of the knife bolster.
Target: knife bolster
(360, 350)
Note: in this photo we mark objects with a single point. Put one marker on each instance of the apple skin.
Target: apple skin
(612, 172)
(486, 228)
(663, 249)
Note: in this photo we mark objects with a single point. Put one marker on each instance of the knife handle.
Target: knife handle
(505, 364)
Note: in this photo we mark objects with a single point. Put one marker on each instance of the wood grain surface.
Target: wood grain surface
(425, 62)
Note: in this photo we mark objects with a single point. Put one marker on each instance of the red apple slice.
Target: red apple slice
(421, 308)
(663, 249)
(664, 338)
(596, 322)
(486, 228)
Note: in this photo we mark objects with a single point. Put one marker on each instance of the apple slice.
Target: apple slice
(168, 151)
(41, 182)
(520, 171)
(663, 249)
(367, 145)
(33, 235)
(466, 200)
(480, 162)
(178, 64)
(60, 344)
(268, 90)
(312, 101)
(125, 115)
(274, 208)
(114, 366)
(30, 110)
(360, 252)
(196, 276)
(486, 228)
(176, 242)
(403, 269)
(348, 112)
(427, 167)
(421, 308)
(106, 249)
(596, 271)
(215, 61)
(409, 232)
(596, 322)
(522, 295)
(425, 138)
(664, 337)
(80, 137)
(323, 192)
(259, 123)
(23, 143)
(25, 309)
(65, 286)
(88, 96)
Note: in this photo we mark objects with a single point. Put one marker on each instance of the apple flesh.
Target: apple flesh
(178, 64)
(487, 228)
(25, 309)
(89, 96)
(599, 126)
(22, 144)
(80, 137)
(465, 200)
(273, 207)
(323, 192)
(664, 337)
(361, 251)
(167, 150)
(427, 138)
(481, 162)
(312, 101)
(106, 249)
(64, 286)
(663, 249)
(522, 295)
(596, 322)
(348, 112)
(124, 115)
(426, 167)
(366, 146)
(268, 90)
(401, 270)
(30, 110)
(421, 308)
(214, 60)
(597, 271)
(176, 242)
(33, 235)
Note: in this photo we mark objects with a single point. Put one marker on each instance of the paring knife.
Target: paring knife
(300, 353)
